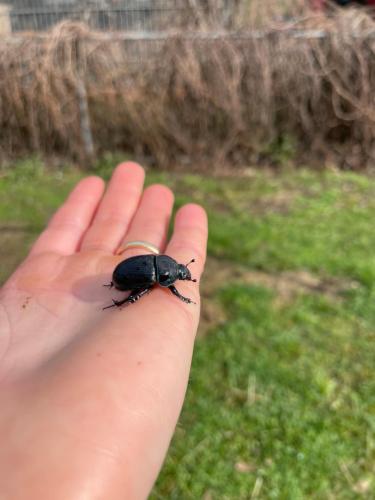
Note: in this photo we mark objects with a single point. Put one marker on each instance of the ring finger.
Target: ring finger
(151, 221)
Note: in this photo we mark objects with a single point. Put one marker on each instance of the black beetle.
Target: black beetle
(140, 273)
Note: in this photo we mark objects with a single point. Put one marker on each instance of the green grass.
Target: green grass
(281, 400)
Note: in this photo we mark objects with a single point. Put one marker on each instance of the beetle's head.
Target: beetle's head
(184, 273)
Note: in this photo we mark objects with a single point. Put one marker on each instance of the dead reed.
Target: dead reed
(204, 100)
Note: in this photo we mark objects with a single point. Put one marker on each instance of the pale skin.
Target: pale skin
(89, 399)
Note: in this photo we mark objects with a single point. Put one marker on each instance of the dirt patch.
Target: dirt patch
(287, 285)
(279, 202)
(212, 315)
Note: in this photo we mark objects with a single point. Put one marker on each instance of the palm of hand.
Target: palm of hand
(55, 296)
(111, 382)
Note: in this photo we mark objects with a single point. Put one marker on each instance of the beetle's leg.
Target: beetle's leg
(136, 295)
(174, 290)
(133, 297)
(110, 285)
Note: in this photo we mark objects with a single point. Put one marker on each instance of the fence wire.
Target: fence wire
(105, 15)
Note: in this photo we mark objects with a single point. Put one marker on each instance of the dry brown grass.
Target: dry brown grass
(201, 101)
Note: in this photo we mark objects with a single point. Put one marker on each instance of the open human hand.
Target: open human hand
(89, 398)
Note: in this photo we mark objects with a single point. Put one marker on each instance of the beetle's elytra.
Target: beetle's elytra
(140, 273)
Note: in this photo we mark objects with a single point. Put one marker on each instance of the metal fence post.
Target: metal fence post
(83, 107)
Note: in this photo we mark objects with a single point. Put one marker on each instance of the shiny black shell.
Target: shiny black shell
(144, 271)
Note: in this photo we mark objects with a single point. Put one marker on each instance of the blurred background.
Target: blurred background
(263, 112)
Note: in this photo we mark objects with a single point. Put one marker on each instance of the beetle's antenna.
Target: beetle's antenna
(192, 260)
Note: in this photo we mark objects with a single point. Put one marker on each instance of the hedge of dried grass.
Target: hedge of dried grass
(231, 100)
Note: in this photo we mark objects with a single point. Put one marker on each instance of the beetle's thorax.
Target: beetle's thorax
(166, 270)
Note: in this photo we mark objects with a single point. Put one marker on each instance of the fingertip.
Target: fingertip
(92, 186)
(93, 179)
(94, 182)
(191, 213)
(160, 191)
(127, 167)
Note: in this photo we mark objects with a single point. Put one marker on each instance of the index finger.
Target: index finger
(189, 241)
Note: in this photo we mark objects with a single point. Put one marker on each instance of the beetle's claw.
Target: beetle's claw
(115, 303)
(108, 307)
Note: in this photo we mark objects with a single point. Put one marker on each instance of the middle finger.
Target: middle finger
(116, 209)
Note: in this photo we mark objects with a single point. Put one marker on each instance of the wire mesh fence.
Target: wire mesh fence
(143, 24)
(214, 93)
(104, 15)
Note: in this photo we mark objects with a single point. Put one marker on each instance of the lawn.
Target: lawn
(281, 400)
